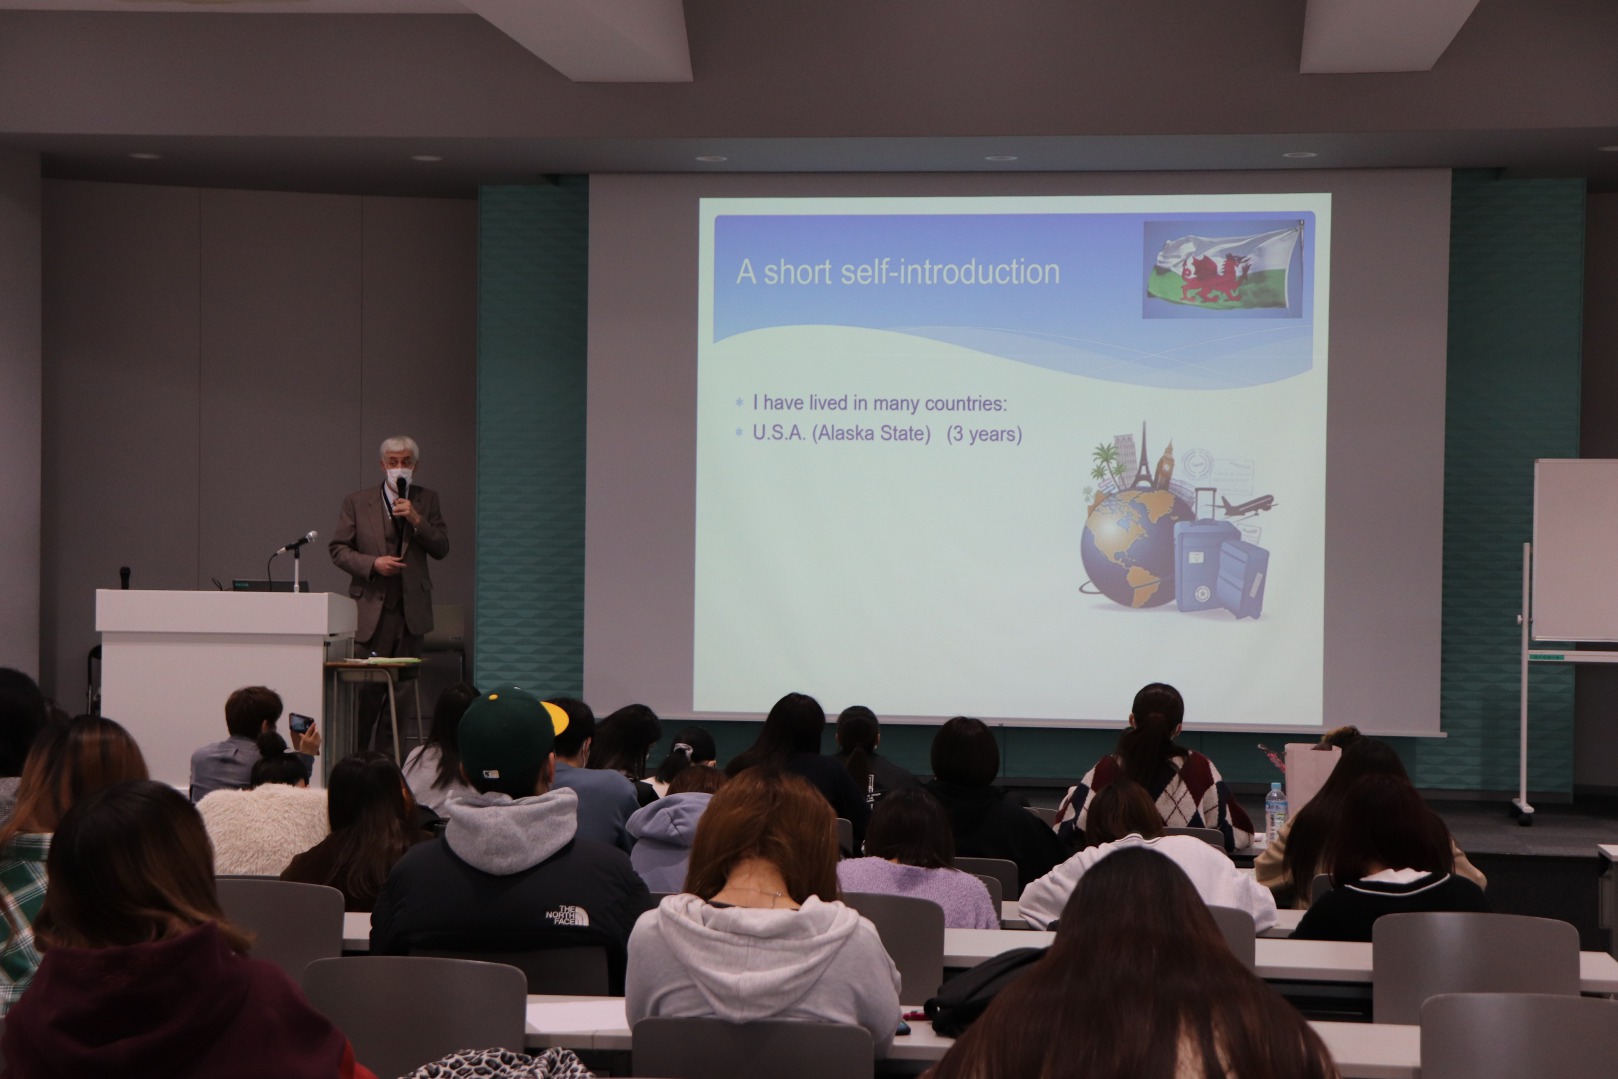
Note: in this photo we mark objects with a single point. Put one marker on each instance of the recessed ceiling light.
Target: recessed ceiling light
(146, 155)
(1299, 155)
(426, 158)
(1608, 149)
(1001, 157)
(712, 159)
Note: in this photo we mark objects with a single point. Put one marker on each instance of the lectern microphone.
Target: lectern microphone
(295, 544)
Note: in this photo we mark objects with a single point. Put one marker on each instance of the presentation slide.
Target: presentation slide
(1003, 456)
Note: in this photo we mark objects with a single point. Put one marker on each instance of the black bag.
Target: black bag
(964, 997)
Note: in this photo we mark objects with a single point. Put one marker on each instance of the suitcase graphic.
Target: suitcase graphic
(1196, 562)
(1243, 573)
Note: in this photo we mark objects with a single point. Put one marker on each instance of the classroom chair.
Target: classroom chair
(1211, 836)
(1045, 814)
(1319, 887)
(845, 838)
(1003, 868)
(1420, 955)
(403, 1011)
(1510, 1035)
(912, 931)
(1240, 932)
(778, 1048)
(292, 924)
(996, 894)
(572, 971)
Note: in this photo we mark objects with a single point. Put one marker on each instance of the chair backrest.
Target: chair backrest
(1420, 955)
(845, 837)
(401, 1012)
(292, 924)
(778, 1048)
(1319, 887)
(912, 930)
(580, 970)
(1003, 868)
(449, 629)
(1048, 815)
(1239, 931)
(996, 892)
(1207, 835)
(1508, 1035)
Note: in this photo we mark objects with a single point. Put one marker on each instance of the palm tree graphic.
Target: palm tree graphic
(1105, 455)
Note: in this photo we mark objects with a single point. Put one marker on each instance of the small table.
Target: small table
(390, 671)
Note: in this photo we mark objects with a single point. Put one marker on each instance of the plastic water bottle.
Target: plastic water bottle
(1275, 813)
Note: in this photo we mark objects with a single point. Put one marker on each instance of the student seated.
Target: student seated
(373, 822)
(1392, 854)
(1122, 817)
(1139, 984)
(607, 799)
(511, 871)
(985, 822)
(692, 745)
(1187, 788)
(622, 743)
(68, 762)
(1290, 864)
(790, 742)
(228, 765)
(260, 830)
(910, 851)
(433, 769)
(759, 932)
(142, 974)
(665, 829)
(22, 717)
(858, 735)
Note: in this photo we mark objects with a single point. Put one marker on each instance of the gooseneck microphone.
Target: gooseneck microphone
(297, 543)
(123, 578)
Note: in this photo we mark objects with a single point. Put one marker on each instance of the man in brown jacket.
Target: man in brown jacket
(383, 541)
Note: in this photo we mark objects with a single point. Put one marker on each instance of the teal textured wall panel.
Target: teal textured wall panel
(1516, 287)
(533, 255)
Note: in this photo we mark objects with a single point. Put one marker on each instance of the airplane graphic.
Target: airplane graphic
(1262, 504)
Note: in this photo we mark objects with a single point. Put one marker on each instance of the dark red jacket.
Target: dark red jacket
(185, 1008)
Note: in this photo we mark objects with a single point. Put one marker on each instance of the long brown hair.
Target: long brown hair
(1391, 828)
(67, 763)
(130, 865)
(1316, 823)
(372, 818)
(1139, 984)
(1122, 807)
(772, 815)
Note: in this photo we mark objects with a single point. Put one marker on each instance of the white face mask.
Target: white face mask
(397, 474)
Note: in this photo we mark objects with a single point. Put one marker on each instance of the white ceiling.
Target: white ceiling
(248, 7)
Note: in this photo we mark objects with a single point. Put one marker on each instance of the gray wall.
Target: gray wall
(1595, 733)
(19, 410)
(219, 369)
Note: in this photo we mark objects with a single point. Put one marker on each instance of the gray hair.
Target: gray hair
(400, 444)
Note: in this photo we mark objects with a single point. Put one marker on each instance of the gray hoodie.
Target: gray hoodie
(824, 963)
(663, 833)
(503, 835)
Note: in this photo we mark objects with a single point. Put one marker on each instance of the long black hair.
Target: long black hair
(794, 725)
(624, 739)
(857, 734)
(1144, 747)
(1316, 823)
(275, 764)
(445, 732)
(22, 717)
(372, 818)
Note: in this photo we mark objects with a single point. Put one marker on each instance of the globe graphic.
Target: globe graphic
(1128, 546)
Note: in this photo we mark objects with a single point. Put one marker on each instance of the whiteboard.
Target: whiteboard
(1574, 580)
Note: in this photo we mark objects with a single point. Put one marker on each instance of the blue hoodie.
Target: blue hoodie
(663, 833)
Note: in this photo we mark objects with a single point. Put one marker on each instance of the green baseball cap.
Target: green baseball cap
(506, 731)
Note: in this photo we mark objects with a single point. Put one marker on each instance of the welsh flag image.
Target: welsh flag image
(1225, 272)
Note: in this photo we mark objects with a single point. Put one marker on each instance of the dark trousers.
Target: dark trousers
(392, 638)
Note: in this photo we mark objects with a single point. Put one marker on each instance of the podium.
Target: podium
(170, 659)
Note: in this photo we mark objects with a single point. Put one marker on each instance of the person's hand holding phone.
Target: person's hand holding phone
(305, 734)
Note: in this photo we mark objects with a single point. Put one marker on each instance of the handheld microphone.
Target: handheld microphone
(123, 578)
(297, 543)
(403, 487)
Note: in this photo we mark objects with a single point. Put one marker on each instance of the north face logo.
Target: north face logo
(568, 915)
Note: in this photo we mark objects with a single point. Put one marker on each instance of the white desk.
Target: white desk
(1362, 1050)
(1286, 920)
(1278, 960)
